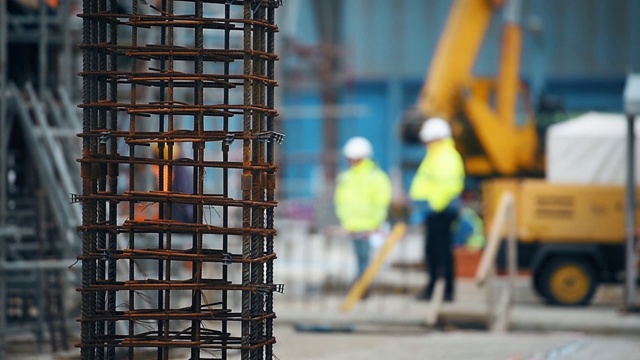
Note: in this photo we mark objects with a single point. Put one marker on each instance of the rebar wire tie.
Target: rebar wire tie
(74, 198)
(279, 288)
(264, 289)
(255, 6)
(228, 140)
(226, 259)
(269, 136)
(106, 256)
(104, 137)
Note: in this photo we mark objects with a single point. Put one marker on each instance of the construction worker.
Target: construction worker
(435, 190)
(180, 182)
(362, 198)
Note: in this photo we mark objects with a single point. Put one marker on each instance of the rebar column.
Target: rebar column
(179, 92)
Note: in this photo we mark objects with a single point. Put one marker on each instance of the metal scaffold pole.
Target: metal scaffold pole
(4, 136)
(631, 98)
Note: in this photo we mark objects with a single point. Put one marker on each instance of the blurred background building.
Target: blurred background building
(38, 170)
(354, 67)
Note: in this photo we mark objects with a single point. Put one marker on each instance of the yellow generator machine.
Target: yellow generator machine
(571, 226)
(571, 223)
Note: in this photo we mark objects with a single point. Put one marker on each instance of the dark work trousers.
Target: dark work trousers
(438, 250)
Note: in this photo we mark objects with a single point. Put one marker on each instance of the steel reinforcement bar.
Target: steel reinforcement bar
(178, 124)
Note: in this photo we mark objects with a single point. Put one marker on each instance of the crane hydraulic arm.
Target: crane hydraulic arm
(482, 111)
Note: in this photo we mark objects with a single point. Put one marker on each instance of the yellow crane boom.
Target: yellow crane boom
(482, 111)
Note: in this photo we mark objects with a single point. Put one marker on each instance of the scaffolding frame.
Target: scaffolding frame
(34, 259)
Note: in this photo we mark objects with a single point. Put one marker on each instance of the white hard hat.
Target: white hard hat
(357, 148)
(435, 129)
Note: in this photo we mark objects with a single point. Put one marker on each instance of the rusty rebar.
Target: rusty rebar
(138, 122)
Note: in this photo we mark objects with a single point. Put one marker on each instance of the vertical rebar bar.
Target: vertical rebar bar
(198, 178)
(162, 352)
(271, 177)
(246, 188)
(132, 184)
(225, 179)
(87, 309)
(168, 7)
(113, 172)
(102, 178)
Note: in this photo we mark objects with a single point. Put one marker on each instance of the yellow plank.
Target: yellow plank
(363, 283)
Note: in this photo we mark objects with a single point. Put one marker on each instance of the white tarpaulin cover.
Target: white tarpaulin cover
(591, 149)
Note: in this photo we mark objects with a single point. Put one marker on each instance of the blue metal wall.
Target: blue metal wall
(577, 51)
(572, 37)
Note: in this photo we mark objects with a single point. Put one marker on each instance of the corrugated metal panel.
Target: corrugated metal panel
(300, 160)
(391, 36)
(370, 120)
(579, 37)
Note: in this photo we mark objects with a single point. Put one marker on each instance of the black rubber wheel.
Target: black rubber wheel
(568, 281)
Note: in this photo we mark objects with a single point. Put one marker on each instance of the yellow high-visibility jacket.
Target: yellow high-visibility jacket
(362, 197)
(440, 176)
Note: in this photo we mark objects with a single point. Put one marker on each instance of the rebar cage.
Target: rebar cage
(178, 136)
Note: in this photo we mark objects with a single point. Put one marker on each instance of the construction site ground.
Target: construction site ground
(317, 270)
(318, 330)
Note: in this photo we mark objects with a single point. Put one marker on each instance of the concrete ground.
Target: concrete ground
(453, 345)
(469, 310)
(399, 343)
(317, 270)
(391, 324)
